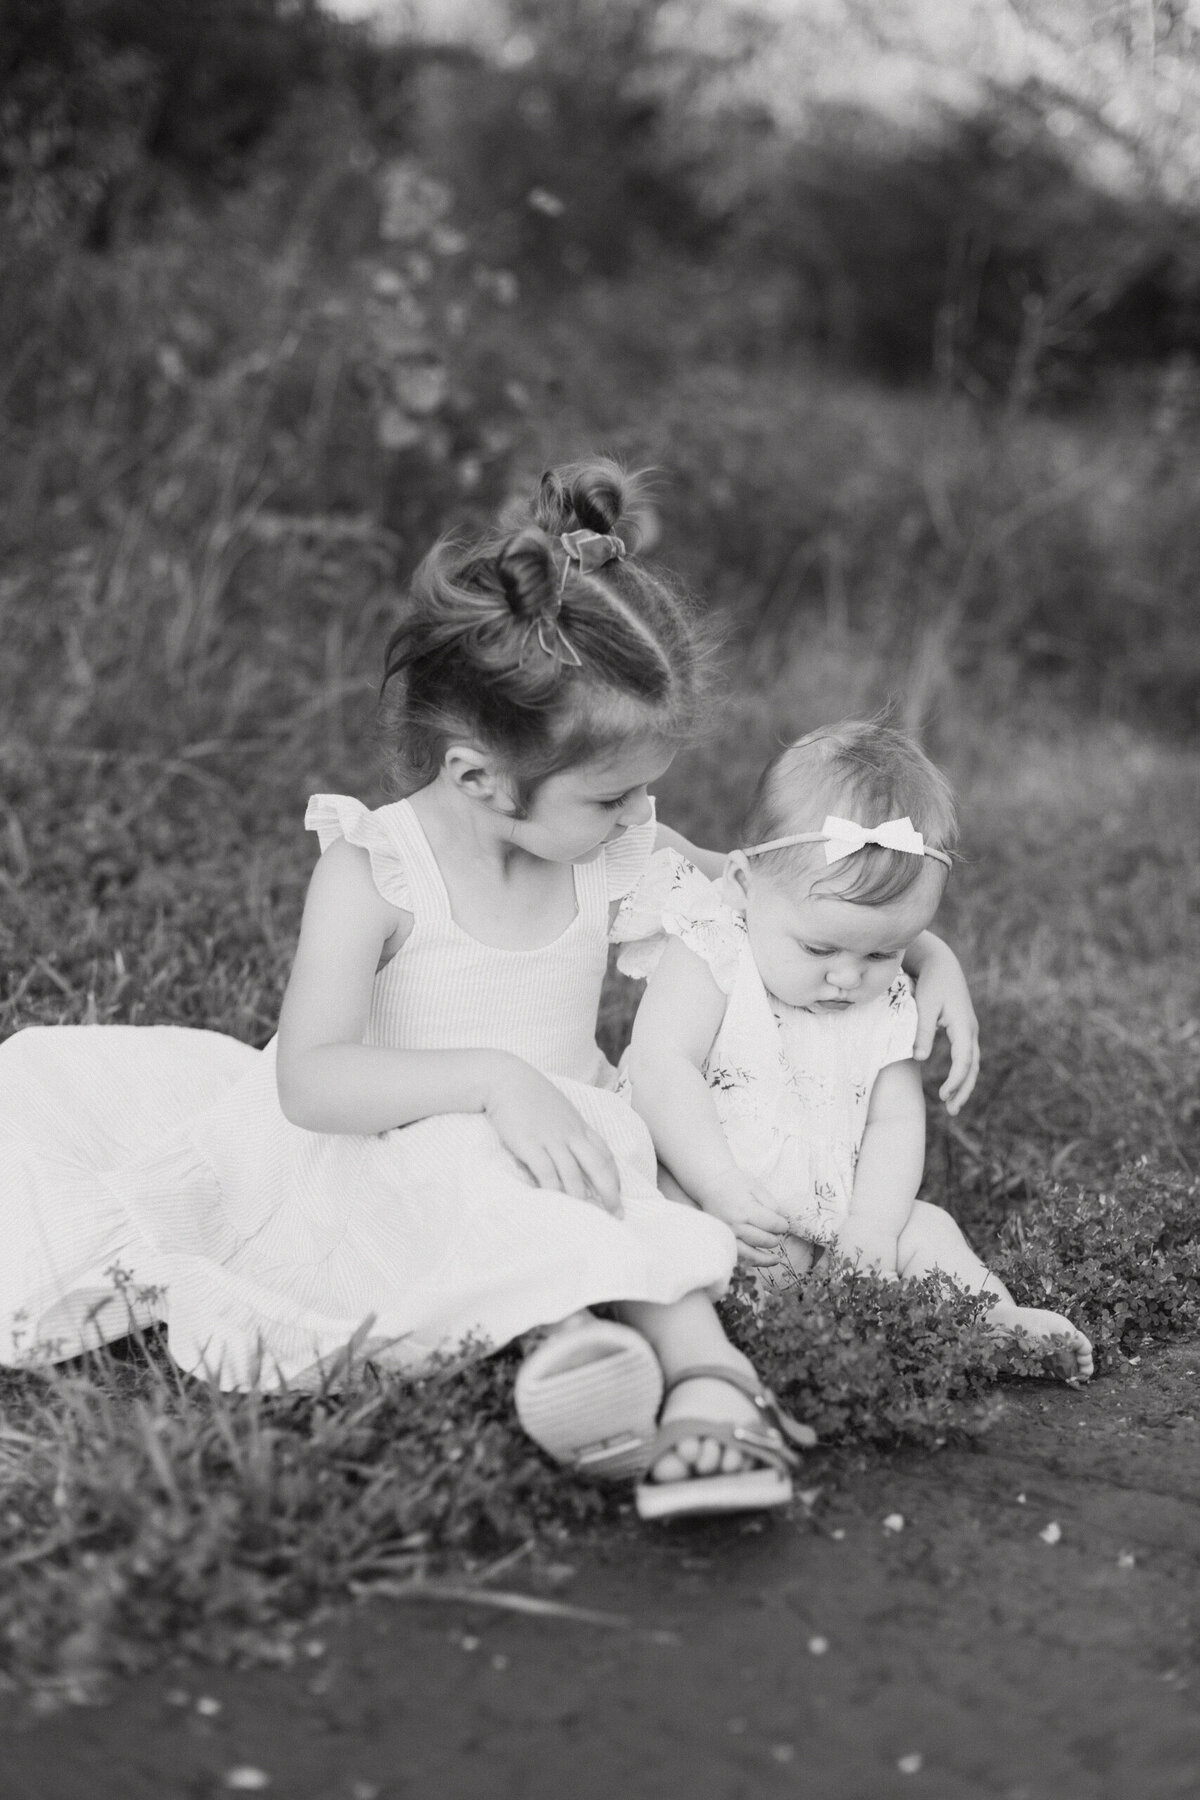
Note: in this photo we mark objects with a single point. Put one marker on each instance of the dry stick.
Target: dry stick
(504, 1602)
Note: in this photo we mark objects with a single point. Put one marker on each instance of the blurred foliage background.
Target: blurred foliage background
(905, 303)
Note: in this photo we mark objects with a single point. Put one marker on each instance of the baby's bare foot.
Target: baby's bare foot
(706, 1398)
(1034, 1324)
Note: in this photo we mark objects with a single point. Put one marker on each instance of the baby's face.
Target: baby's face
(822, 953)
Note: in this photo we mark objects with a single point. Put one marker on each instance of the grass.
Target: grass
(139, 1509)
(195, 590)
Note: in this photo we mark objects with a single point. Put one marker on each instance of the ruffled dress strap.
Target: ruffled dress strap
(899, 1033)
(379, 833)
(626, 860)
(673, 899)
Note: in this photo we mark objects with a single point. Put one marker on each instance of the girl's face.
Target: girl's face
(575, 812)
(822, 953)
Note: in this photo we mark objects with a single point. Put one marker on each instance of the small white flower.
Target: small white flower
(911, 1763)
(1126, 1559)
(894, 1522)
(818, 1646)
(246, 1780)
(1052, 1533)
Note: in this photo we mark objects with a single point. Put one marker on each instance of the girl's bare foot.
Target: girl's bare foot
(706, 1398)
(1034, 1325)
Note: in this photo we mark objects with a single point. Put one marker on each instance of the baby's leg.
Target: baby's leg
(932, 1241)
(796, 1258)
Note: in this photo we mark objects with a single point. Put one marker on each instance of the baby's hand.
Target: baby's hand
(751, 1213)
(944, 999)
(543, 1131)
(867, 1248)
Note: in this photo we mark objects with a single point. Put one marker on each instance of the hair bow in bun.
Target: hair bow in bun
(591, 549)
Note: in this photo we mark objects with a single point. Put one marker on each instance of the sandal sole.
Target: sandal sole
(590, 1397)
(713, 1495)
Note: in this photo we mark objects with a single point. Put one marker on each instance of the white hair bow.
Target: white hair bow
(842, 837)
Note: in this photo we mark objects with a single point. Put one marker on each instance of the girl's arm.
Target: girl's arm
(943, 998)
(672, 1035)
(329, 1080)
(891, 1160)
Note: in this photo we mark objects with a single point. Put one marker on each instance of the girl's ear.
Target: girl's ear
(736, 880)
(477, 775)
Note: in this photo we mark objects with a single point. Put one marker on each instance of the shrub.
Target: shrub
(1124, 1262)
(880, 1362)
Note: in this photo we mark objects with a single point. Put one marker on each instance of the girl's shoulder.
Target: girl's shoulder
(380, 831)
(673, 899)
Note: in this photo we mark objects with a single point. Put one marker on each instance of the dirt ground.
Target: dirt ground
(829, 1655)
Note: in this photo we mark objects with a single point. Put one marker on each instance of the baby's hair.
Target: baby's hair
(860, 769)
(511, 643)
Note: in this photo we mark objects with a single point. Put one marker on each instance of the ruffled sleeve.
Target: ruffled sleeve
(625, 861)
(673, 899)
(334, 816)
(900, 1032)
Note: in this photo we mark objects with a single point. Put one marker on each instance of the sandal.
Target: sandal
(773, 1444)
(590, 1395)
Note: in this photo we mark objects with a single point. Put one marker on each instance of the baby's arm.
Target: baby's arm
(891, 1160)
(672, 1034)
(330, 1080)
(943, 998)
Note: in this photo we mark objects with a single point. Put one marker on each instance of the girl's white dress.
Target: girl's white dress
(161, 1154)
(791, 1087)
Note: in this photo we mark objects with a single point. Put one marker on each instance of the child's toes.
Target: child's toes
(708, 1458)
(672, 1466)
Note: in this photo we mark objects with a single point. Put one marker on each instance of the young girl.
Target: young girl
(772, 1055)
(431, 1150)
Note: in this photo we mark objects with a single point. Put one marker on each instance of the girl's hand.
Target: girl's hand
(944, 999)
(867, 1247)
(751, 1213)
(538, 1126)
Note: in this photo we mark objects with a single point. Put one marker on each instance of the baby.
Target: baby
(772, 1053)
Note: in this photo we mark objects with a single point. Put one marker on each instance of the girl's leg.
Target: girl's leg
(684, 1335)
(932, 1241)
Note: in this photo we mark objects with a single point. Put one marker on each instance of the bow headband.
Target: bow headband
(842, 837)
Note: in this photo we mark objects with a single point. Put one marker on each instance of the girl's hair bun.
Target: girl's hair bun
(594, 496)
(525, 568)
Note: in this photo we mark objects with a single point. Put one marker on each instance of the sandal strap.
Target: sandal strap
(762, 1442)
(764, 1400)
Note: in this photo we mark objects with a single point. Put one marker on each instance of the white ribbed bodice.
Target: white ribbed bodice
(444, 990)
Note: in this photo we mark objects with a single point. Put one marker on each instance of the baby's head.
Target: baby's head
(558, 655)
(827, 934)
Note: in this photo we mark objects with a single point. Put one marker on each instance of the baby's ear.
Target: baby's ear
(735, 880)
